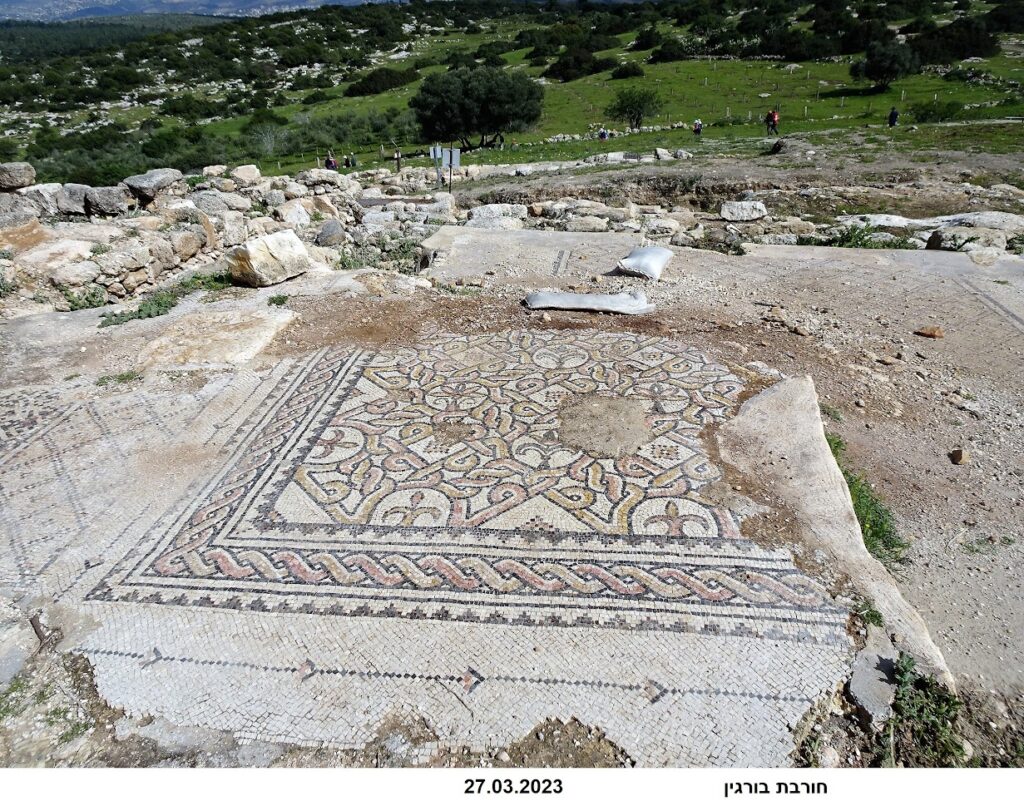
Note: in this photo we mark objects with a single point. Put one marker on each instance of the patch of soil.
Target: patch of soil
(605, 427)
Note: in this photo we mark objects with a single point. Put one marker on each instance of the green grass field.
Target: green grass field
(815, 99)
(730, 96)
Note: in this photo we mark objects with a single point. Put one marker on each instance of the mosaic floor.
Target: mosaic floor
(300, 554)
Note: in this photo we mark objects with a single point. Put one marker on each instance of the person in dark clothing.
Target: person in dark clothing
(894, 117)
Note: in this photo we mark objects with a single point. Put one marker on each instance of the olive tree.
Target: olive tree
(480, 102)
(633, 105)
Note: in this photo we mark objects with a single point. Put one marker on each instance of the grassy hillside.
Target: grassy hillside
(277, 90)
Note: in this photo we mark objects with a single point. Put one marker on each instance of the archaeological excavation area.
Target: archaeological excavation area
(356, 503)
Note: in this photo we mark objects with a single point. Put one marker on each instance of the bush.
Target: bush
(961, 39)
(885, 62)
(647, 39)
(628, 70)
(578, 63)
(381, 80)
(315, 97)
(672, 51)
(937, 111)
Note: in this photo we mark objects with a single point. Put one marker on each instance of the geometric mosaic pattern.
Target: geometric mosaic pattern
(431, 483)
(302, 552)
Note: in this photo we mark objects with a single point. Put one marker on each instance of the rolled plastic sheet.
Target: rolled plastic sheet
(628, 302)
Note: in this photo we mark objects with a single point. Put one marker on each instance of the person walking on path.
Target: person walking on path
(773, 121)
(894, 117)
(698, 128)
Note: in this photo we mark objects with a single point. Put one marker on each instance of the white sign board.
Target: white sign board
(451, 158)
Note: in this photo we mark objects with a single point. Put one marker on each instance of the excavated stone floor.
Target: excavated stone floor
(310, 550)
(479, 532)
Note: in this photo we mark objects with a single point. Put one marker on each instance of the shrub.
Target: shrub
(578, 63)
(672, 51)
(315, 97)
(381, 80)
(922, 731)
(120, 377)
(164, 300)
(628, 70)
(961, 39)
(647, 39)
(937, 111)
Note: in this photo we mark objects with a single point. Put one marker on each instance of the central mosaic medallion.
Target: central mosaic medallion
(434, 483)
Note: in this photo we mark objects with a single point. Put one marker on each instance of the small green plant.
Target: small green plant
(156, 305)
(278, 299)
(868, 614)
(1015, 245)
(194, 181)
(7, 288)
(6, 254)
(160, 302)
(74, 729)
(831, 412)
(987, 545)
(99, 249)
(458, 290)
(349, 262)
(960, 244)
(205, 282)
(877, 525)
(120, 377)
(865, 237)
(922, 731)
(11, 698)
(94, 297)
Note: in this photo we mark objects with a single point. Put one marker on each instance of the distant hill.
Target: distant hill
(79, 9)
(29, 40)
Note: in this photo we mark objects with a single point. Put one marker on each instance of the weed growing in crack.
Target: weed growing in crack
(877, 525)
(121, 377)
(160, 302)
(867, 613)
(922, 731)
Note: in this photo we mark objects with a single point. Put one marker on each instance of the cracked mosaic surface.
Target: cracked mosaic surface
(361, 533)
